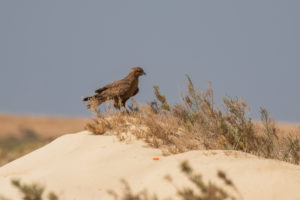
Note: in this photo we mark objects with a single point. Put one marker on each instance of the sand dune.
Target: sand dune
(85, 166)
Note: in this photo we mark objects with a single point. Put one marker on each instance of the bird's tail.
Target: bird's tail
(93, 101)
(86, 98)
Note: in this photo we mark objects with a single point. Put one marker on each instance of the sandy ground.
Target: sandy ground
(85, 166)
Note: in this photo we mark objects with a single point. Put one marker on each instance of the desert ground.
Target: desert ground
(77, 164)
(87, 166)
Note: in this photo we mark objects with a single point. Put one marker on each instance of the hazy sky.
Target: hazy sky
(54, 52)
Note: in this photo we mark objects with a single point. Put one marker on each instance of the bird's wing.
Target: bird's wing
(116, 90)
(110, 86)
(100, 90)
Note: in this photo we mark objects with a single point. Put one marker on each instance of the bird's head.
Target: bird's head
(137, 71)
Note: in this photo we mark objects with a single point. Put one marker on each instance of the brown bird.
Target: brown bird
(118, 91)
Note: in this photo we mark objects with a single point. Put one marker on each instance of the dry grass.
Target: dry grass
(205, 191)
(33, 191)
(159, 130)
(197, 123)
(200, 191)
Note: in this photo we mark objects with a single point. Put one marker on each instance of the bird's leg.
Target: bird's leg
(117, 106)
(117, 103)
(124, 105)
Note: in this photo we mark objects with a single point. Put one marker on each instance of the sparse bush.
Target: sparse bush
(205, 191)
(164, 105)
(292, 153)
(98, 126)
(129, 195)
(32, 191)
(52, 196)
(196, 123)
(269, 138)
(236, 127)
(29, 191)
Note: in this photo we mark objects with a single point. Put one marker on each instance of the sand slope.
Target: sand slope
(85, 166)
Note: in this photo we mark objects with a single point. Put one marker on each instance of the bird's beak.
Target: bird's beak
(144, 73)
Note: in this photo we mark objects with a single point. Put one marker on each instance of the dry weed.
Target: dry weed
(33, 191)
(197, 123)
(204, 191)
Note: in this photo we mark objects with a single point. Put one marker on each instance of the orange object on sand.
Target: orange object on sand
(155, 158)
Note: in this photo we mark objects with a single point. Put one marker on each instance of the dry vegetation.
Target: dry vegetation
(197, 123)
(204, 191)
(33, 191)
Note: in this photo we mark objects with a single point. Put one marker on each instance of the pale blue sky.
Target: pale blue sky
(54, 52)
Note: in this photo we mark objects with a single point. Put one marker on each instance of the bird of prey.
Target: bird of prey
(118, 91)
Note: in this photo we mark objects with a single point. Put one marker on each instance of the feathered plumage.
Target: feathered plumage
(119, 91)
